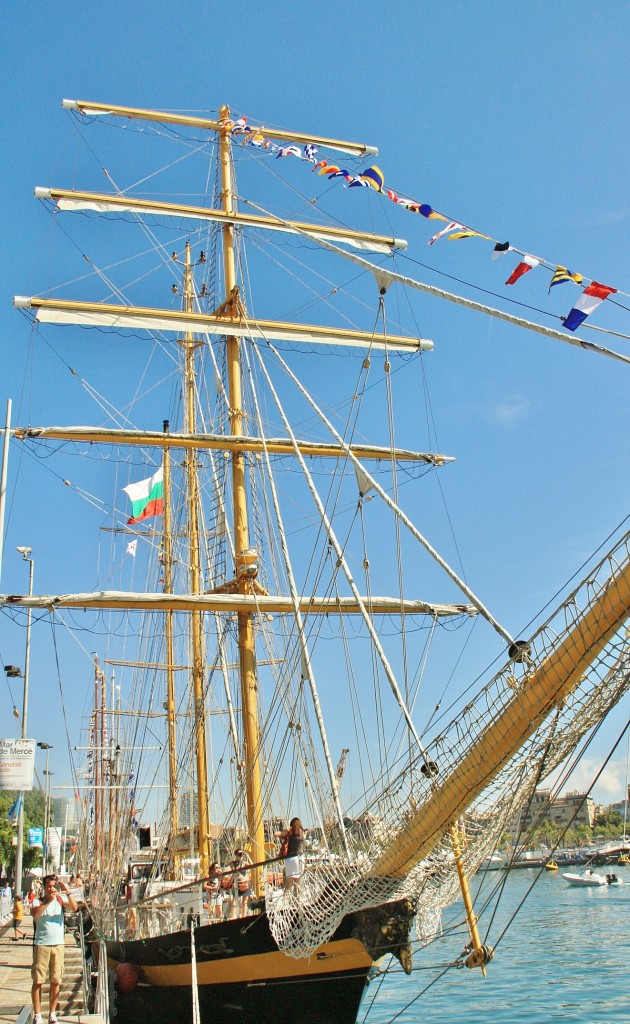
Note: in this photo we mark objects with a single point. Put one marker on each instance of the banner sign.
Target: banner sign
(17, 762)
(53, 842)
(36, 837)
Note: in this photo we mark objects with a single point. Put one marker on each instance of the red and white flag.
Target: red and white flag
(526, 264)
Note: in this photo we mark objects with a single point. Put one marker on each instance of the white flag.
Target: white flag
(131, 548)
(363, 481)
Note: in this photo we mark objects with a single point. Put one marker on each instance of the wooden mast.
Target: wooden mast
(167, 572)
(544, 689)
(246, 640)
(97, 862)
(102, 836)
(196, 617)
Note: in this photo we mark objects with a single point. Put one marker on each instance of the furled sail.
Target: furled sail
(118, 317)
(99, 203)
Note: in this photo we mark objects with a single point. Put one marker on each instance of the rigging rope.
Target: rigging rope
(342, 561)
(307, 669)
(479, 307)
(395, 508)
(196, 1014)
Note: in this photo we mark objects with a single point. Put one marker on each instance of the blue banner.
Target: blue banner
(36, 837)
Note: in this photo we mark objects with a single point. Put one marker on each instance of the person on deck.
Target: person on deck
(49, 944)
(294, 859)
(215, 893)
(242, 885)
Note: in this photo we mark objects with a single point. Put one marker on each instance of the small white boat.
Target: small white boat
(588, 879)
(492, 863)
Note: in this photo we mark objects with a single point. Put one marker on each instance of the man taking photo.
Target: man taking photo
(49, 944)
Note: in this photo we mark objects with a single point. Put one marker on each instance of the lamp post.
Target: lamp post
(26, 555)
(48, 816)
(46, 747)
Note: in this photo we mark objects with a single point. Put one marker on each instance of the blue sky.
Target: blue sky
(510, 118)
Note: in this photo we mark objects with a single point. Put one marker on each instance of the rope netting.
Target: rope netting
(305, 916)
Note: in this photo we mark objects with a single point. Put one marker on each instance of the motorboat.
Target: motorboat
(591, 878)
(492, 863)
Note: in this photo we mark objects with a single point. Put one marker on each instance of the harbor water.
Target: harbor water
(564, 957)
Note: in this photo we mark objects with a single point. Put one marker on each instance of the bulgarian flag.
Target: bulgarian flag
(587, 303)
(147, 497)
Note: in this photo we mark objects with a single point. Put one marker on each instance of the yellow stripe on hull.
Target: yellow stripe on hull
(343, 955)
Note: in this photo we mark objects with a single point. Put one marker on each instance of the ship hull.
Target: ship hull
(243, 976)
(323, 999)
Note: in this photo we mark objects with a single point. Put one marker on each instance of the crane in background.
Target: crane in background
(330, 815)
(341, 765)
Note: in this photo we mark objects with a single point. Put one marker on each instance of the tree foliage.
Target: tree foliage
(34, 805)
(611, 820)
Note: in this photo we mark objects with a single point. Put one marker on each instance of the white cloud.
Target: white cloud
(512, 410)
(608, 789)
(606, 218)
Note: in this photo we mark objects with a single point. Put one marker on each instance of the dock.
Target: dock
(15, 981)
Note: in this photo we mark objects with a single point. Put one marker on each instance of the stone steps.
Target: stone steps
(15, 983)
(71, 999)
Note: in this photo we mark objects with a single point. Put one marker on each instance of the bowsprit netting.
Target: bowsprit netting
(302, 919)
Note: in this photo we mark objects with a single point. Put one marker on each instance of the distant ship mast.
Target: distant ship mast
(190, 345)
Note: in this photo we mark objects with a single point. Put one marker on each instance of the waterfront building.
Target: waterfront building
(568, 811)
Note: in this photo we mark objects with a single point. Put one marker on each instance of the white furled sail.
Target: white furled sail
(118, 317)
(97, 203)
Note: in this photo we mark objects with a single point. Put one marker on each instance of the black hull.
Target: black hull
(325, 999)
(243, 977)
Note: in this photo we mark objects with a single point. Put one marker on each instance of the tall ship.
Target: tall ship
(276, 632)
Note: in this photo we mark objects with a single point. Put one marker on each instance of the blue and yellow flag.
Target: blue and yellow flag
(373, 176)
(466, 233)
(562, 274)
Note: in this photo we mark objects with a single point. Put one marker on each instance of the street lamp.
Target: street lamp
(13, 672)
(46, 747)
(26, 555)
(47, 860)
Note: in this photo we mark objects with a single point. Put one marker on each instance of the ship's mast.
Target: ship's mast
(97, 774)
(246, 640)
(196, 618)
(99, 781)
(544, 688)
(167, 554)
